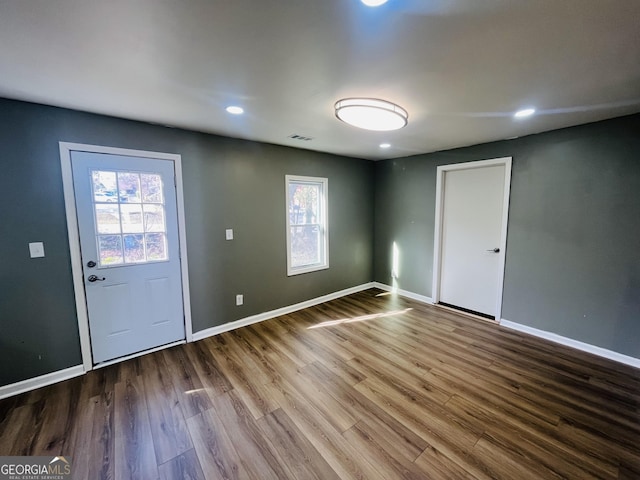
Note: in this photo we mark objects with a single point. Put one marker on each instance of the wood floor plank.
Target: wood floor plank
(440, 467)
(217, 455)
(79, 443)
(168, 428)
(134, 453)
(258, 458)
(207, 368)
(386, 426)
(294, 449)
(102, 446)
(245, 376)
(183, 467)
(21, 431)
(343, 457)
(538, 446)
(192, 395)
(383, 455)
(372, 386)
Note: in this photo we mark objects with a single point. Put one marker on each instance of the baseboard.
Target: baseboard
(41, 381)
(404, 293)
(261, 317)
(569, 342)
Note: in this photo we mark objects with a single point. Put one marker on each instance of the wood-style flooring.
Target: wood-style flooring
(369, 386)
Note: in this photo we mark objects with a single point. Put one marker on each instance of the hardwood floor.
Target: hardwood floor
(370, 386)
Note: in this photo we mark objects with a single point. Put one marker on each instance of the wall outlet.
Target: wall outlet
(228, 233)
(239, 299)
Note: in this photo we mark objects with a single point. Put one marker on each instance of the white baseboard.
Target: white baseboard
(404, 293)
(41, 381)
(261, 317)
(569, 342)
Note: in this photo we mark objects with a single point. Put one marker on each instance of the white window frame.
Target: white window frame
(323, 222)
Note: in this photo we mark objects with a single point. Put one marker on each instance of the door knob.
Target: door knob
(494, 250)
(94, 278)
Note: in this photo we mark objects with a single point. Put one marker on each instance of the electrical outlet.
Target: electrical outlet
(229, 233)
(239, 299)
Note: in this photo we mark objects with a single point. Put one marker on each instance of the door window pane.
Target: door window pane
(156, 244)
(154, 218)
(151, 188)
(129, 187)
(129, 217)
(104, 185)
(107, 218)
(134, 248)
(110, 249)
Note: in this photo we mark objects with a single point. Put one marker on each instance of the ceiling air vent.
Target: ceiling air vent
(300, 137)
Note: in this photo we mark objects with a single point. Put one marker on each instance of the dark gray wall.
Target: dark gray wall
(573, 246)
(228, 184)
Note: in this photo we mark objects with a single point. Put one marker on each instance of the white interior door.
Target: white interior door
(473, 236)
(127, 220)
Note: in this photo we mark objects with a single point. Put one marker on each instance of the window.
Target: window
(130, 220)
(307, 236)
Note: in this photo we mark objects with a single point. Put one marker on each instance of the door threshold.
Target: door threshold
(137, 354)
(466, 313)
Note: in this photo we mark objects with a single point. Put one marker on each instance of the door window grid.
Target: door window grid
(130, 224)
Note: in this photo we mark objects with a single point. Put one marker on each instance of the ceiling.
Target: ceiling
(460, 67)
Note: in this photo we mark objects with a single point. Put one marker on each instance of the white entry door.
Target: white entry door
(474, 199)
(127, 221)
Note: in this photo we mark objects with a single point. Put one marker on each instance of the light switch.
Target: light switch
(229, 233)
(36, 249)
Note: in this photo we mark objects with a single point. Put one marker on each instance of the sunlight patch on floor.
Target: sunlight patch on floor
(384, 294)
(363, 318)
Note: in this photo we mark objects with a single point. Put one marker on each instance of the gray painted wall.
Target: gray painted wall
(228, 183)
(573, 246)
(572, 264)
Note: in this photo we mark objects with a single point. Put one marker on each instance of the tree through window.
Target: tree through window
(307, 245)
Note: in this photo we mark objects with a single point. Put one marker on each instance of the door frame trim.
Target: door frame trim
(74, 237)
(437, 238)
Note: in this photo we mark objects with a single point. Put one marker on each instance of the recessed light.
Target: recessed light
(234, 110)
(371, 114)
(526, 112)
(373, 3)
(385, 145)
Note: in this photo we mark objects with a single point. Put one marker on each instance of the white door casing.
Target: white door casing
(155, 293)
(472, 203)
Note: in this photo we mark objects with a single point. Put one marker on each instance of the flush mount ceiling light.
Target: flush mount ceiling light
(526, 112)
(234, 110)
(385, 145)
(371, 114)
(373, 3)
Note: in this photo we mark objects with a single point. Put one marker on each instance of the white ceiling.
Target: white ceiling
(460, 67)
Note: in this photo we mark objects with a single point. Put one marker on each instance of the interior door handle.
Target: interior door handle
(494, 250)
(94, 278)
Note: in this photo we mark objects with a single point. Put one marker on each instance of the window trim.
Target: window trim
(323, 222)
